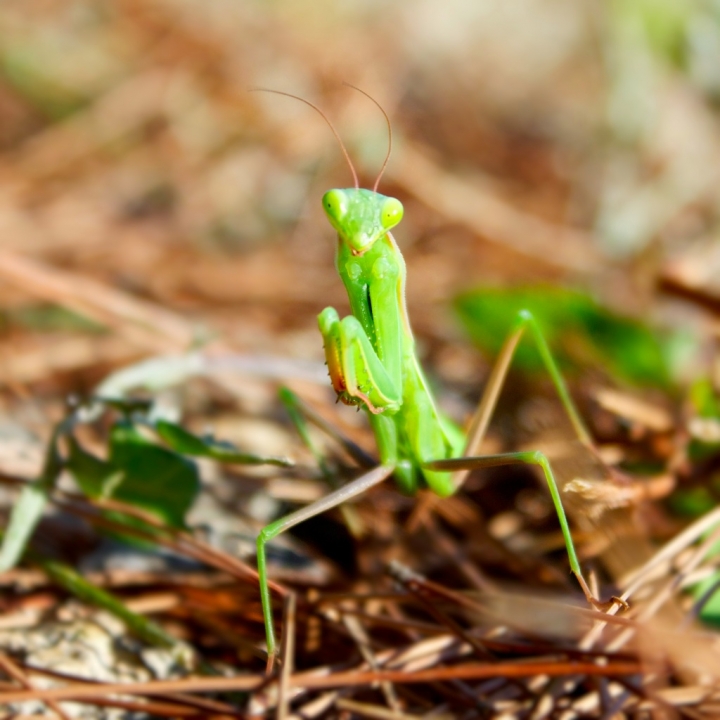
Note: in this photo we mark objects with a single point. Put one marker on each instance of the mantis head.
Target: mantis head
(361, 216)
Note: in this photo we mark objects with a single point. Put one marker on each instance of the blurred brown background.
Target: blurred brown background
(144, 187)
(151, 204)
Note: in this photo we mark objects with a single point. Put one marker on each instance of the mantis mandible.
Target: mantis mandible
(373, 364)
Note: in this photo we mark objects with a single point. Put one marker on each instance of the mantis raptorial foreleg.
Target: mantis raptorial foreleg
(356, 372)
(481, 420)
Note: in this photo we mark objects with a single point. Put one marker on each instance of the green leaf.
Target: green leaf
(692, 502)
(94, 476)
(704, 399)
(153, 478)
(579, 332)
(710, 612)
(706, 405)
(25, 516)
(126, 406)
(187, 443)
(661, 24)
(180, 439)
(21, 67)
(45, 317)
(30, 505)
(143, 627)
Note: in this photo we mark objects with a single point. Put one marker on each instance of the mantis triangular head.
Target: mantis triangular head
(361, 216)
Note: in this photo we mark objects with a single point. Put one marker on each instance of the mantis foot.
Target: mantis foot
(607, 605)
(601, 605)
(270, 663)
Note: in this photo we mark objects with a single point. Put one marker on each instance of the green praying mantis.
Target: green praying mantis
(373, 364)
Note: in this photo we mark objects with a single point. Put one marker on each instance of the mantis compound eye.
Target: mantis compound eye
(336, 204)
(391, 213)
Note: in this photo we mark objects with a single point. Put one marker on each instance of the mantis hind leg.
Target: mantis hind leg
(333, 499)
(481, 419)
(533, 457)
(478, 428)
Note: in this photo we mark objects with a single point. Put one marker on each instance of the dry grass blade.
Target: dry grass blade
(379, 713)
(287, 657)
(159, 329)
(183, 542)
(310, 681)
(16, 673)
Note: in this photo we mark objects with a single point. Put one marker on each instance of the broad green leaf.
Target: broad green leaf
(579, 332)
(153, 478)
(94, 476)
(187, 443)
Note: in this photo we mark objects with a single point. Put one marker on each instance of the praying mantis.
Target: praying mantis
(372, 363)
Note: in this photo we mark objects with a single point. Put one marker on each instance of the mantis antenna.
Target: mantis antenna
(389, 127)
(327, 120)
